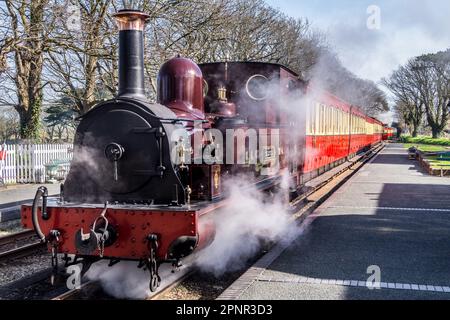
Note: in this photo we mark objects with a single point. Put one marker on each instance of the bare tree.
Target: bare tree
(422, 87)
(9, 124)
(331, 75)
(81, 63)
(193, 28)
(220, 30)
(26, 34)
(74, 67)
(409, 106)
(432, 76)
(303, 47)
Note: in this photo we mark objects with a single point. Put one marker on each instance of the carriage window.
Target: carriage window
(323, 120)
(353, 124)
(334, 120)
(257, 87)
(312, 119)
(338, 122)
(328, 120)
(319, 120)
(341, 121)
(345, 122)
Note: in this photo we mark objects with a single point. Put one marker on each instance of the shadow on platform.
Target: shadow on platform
(409, 246)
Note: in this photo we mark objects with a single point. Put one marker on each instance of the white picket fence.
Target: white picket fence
(26, 163)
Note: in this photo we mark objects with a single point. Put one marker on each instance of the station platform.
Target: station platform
(17, 194)
(390, 221)
(12, 197)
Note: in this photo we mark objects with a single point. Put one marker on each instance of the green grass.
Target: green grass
(426, 148)
(438, 164)
(437, 147)
(426, 140)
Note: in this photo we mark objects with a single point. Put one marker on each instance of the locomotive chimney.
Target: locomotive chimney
(131, 25)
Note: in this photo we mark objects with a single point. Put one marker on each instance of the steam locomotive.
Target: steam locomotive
(147, 179)
(389, 133)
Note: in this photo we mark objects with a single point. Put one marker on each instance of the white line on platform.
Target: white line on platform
(355, 283)
(391, 208)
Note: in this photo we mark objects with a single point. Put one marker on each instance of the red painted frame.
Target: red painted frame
(133, 227)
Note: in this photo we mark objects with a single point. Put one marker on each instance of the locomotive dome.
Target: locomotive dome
(180, 88)
(180, 67)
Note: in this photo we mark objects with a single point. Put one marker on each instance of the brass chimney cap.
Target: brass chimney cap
(131, 19)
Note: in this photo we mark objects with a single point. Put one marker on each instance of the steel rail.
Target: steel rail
(22, 251)
(14, 237)
(72, 294)
(171, 285)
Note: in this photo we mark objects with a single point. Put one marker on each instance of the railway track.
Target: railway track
(90, 288)
(22, 251)
(15, 237)
(169, 286)
(74, 294)
(31, 246)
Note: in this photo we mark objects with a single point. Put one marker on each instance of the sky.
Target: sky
(405, 28)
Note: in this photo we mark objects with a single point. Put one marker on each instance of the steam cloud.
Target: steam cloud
(251, 219)
(122, 281)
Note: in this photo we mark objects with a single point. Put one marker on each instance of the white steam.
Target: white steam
(251, 219)
(122, 281)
